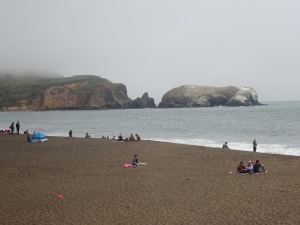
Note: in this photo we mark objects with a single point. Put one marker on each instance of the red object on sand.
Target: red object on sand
(59, 196)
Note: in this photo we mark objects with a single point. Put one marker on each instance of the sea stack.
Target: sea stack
(205, 96)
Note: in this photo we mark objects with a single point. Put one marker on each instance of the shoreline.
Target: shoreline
(180, 184)
(187, 144)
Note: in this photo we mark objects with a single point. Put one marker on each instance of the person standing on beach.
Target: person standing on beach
(254, 145)
(70, 133)
(12, 128)
(18, 127)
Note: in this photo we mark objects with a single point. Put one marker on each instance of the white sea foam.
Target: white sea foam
(264, 148)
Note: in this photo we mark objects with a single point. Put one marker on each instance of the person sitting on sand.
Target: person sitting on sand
(138, 138)
(241, 168)
(28, 138)
(87, 135)
(258, 168)
(249, 168)
(225, 146)
(26, 132)
(120, 138)
(131, 138)
(135, 161)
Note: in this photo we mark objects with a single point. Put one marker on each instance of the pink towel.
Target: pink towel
(128, 165)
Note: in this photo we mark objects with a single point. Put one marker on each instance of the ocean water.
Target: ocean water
(275, 126)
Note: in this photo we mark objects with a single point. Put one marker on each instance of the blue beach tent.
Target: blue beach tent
(39, 137)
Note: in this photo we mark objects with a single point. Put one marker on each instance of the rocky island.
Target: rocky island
(204, 96)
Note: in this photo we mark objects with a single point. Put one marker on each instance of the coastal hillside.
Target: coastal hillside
(204, 96)
(77, 92)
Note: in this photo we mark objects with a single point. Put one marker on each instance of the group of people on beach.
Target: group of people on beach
(225, 145)
(130, 138)
(241, 168)
(250, 168)
(135, 161)
(11, 129)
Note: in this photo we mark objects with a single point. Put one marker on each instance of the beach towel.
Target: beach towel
(247, 173)
(128, 165)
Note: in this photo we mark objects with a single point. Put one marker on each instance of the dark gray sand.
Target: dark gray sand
(180, 184)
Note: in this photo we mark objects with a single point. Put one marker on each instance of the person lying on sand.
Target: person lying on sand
(241, 168)
(258, 168)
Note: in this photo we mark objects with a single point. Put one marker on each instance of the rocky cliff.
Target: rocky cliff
(77, 92)
(204, 96)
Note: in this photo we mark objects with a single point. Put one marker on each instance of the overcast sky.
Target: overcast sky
(156, 45)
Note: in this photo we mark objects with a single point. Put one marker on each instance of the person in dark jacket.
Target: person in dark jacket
(12, 128)
(138, 138)
(135, 161)
(120, 138)
(131, 138)
(225, 146)
(254, 146)
(18, 127)
(258, 168)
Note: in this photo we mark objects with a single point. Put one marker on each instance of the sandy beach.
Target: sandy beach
(180, 184)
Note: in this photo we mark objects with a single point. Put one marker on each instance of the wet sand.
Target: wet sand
(180, 184)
